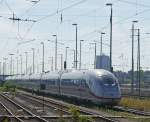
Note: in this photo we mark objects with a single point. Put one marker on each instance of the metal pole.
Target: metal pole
(55, 52)
(80, 52)
(111, 68)
(43, 57)
(76, 61)
(26, 54)
(95, 58)
(76, 50)
(66, 57)
(132, 83)
(101, 48)
(0, 69)
(111, 40)
(139, 62)
(21, 64)
(132, 87)
(137, 77)
(3, 69)
(94, 54)
(61, 61)
(17, 65)
(52, 63)
(11, 66)
(33, 60)
(56, 55)
(101, 43)
(4, 66)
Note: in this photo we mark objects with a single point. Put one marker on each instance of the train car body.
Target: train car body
(99, 86)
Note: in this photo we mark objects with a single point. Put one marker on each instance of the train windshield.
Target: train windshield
(108, 81)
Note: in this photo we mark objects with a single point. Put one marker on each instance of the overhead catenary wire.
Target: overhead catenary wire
(134, 3)
(115, 23)
(10, 9)
(95, 31)
(61, 10)
(30, 8)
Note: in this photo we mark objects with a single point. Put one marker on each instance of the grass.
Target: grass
(136, 103)
(2, 89)
(141, 119)
(141, 104)
(8, 86)
(128, 116)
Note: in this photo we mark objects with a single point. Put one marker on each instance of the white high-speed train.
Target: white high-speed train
(97, 85)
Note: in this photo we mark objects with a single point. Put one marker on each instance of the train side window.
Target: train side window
(69, 82)
(51, 82)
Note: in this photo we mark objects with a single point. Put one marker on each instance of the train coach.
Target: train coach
(96, 85)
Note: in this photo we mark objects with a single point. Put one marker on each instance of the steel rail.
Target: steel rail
(130, 110)
(46, 104)
(67, 106)
(9, 112)
(29, 112)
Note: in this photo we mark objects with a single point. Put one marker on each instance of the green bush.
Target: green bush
(8, 86)
(76, 117)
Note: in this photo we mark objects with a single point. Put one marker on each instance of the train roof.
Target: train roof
(8, 78)
(50, 75)
(101, 72)
(25, 77)
(18, 77)
(35, 76)
(67, 74)
(77, 74)
(80, 74)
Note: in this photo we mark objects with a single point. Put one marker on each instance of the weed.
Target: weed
(135, 103)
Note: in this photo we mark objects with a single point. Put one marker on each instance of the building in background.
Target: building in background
(102, 62)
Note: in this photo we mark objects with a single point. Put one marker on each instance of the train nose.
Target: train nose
(111, 92)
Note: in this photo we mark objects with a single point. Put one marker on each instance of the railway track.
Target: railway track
(136, 96)
(63, 108)
(6, 111)
(51, 103)
(14, 110)
(43, 103)
(133, 111)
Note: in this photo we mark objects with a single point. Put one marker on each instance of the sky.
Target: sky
(48, 17)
